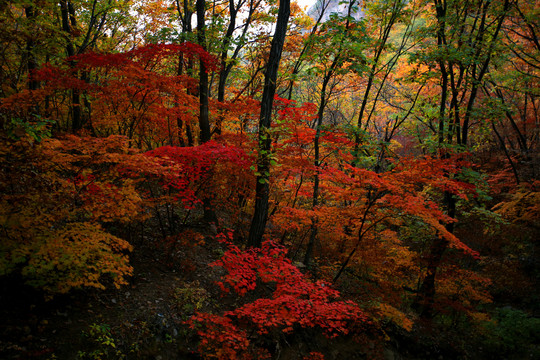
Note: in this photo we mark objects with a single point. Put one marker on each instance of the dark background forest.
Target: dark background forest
(250, 179)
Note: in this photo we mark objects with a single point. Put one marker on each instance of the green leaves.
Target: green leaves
(38, 129)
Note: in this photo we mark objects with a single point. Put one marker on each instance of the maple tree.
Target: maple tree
(294, 302)
(151, 96)
(55, 214)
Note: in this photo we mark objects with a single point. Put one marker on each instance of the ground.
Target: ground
(143, 320)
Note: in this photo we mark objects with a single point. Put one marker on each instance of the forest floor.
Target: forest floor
(142, 320)
(146, 319)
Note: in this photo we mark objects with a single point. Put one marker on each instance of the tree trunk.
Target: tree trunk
(426, 294)
(262, 189)
(67, 15)
(317, 161)
(31, 61)
(185, 15)
(204, 122)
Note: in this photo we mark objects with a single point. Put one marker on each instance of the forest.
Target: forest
(258, 179)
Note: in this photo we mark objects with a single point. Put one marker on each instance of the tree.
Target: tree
(389, 14)
(466, 36)
(342, 35)
(510, 92)
(204, 122)
(55, 214)
(260, 215)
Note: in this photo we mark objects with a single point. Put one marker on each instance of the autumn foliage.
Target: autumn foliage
(56, 211)
(398, 173)
(294, 302)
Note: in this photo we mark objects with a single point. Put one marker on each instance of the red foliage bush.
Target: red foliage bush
(295, 303)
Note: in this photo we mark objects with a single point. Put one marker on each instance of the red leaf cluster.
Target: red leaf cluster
(296, 302)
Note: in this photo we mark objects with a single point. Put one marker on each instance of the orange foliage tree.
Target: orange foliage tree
(56, 212)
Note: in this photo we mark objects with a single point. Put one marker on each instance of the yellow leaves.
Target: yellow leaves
(262, 17)
(54, 197)
(396, 316)
(524, 207)
(394, 146)
(299, 16)
(78, 255)
(479, 317)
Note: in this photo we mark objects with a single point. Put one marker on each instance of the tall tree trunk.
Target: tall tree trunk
(314, 221)
(317, 160)
(225, 69)
(179, 120)
(426, 294)
(204, 122)
(307, 45)
(262, 190)
(185, 15)
(377, 56)
(227, 62)
(31, 62)
(68, 21)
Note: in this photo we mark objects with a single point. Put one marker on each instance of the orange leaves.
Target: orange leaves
(405, 190)
(99, 183)
(56, 198)
(462, 290)
(523, 207)
(362, 215)
(398, 317)
(300, 136)
(290, 219)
